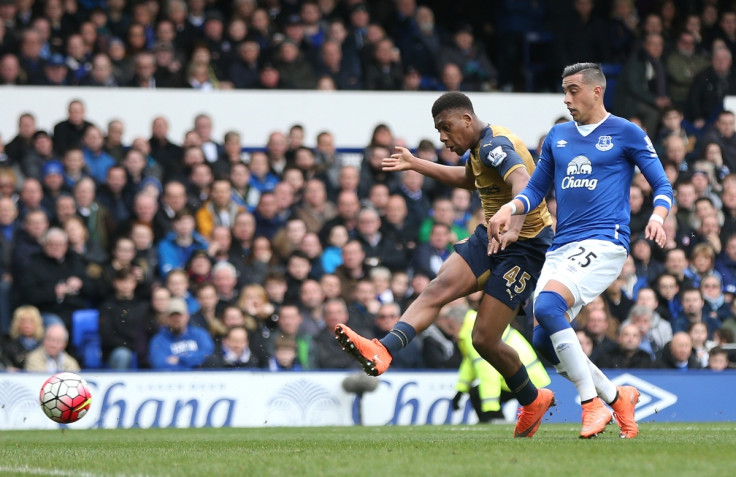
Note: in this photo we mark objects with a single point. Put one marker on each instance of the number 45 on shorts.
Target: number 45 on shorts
(512, 277)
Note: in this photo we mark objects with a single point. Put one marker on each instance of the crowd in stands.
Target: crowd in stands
(197, 254)
(507, 45)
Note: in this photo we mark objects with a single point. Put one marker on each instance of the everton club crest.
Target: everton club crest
(604, 143)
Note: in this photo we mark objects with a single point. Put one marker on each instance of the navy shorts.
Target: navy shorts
(511, 275)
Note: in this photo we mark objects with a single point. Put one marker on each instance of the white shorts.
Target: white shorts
(586, 268)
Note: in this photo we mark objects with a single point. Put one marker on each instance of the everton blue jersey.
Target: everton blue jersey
(592, 174)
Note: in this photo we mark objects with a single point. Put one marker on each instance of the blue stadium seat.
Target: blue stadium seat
(612, 72)
(537, 49)
(91, 353)
(86, 336)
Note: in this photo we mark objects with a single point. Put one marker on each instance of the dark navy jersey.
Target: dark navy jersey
(498, 153)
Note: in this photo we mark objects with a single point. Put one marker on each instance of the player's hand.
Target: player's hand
(456, 401)
(509, 235)
(655, 231)
(400, 161)
(498, 224)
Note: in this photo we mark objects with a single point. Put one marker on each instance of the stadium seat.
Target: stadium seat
(612, 72)
(86, 338)
(91, 353)
(537, 55)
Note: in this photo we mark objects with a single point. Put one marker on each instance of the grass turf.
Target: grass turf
(677, 449)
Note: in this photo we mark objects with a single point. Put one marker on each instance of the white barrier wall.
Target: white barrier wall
(258, 399)
(230, 399)
(350, 116)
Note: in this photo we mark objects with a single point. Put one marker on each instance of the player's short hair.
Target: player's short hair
(592, 73)
(450, 101)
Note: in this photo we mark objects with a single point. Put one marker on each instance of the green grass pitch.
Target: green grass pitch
(676, 449)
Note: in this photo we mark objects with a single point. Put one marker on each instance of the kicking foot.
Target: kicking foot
(371, 354)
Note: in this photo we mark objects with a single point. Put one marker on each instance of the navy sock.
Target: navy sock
(398, 337)
(522, 387)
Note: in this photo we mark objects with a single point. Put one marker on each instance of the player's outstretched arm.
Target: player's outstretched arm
(403, 160)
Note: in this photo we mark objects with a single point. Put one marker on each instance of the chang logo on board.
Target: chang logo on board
(303, 403)
(18, 406)
(580, 165)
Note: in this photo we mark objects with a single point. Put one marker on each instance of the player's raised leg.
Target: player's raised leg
(454, 280)
(493, 317)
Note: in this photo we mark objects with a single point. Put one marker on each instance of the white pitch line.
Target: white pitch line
(40, 471)
(60, 473)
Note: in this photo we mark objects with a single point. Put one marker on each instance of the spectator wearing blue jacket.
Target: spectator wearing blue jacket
(692, 312)
(95, 157)
(726, 265)
(175, 249)
(178, 346)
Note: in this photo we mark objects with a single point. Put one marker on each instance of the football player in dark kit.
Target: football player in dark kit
(499, 167)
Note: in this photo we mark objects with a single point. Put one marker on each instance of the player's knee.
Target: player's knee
(481, 342)
(486, 338)
(490, 350)
(550, 309)
(543, 345)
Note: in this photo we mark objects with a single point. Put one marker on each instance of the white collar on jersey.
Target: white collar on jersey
(589, 128)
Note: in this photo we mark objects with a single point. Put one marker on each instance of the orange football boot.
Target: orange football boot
(595, 418)
(530, 416)
(623, 411)
(372, 355)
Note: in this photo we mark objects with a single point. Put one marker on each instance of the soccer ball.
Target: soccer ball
(65, 397)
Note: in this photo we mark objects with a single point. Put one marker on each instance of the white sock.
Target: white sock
(575, 361)
(603, 386)
(561, 371)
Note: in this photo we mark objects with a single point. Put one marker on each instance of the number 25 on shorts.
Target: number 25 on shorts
(583, 261)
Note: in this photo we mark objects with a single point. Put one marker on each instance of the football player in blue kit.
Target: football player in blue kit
(591, 162)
